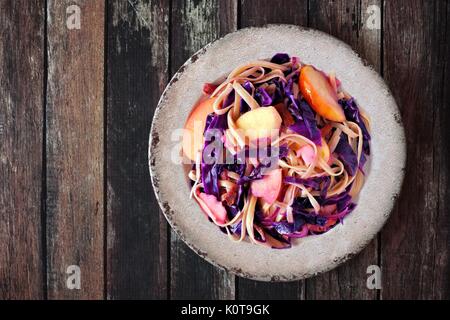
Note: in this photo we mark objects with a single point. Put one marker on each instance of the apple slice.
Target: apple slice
(268, 187)
(259, 123)
(319, 93)
(215, 207)
(194, 126)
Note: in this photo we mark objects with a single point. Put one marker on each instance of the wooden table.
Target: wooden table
(75, 111)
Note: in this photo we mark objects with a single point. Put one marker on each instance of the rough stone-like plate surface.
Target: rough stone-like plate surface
(311, 255)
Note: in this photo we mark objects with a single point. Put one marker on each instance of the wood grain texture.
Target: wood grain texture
(351, 22)
(415, 242)
(75, 149)
(137, 72)
(347, 20)
(52, 189)
(194, 24)
(21, 136)
(256, 13)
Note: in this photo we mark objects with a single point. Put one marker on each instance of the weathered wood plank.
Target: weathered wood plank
(21, 138)
(137, 69)
(194, 24)
(258, 13)
(255, 13)
(415, 241)
(348, 21)
(75, 149)
(257, 290)
(351, 22)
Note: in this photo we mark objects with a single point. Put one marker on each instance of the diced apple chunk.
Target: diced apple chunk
(307, 152)
(268, 188)
(215, 207)
(259, 123)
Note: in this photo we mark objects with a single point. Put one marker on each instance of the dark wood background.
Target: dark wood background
(75, 112)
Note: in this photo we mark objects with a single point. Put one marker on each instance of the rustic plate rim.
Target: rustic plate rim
(154, 140)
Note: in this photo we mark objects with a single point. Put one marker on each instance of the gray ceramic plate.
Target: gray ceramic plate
(310, 255)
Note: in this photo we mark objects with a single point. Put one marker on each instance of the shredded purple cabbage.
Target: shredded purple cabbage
(347, 155)
(263, 98)
(352, 113)
(286, 228)
(280, 58)
(258, 172)
(305, 123)
(211, 169)
(248, 86)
